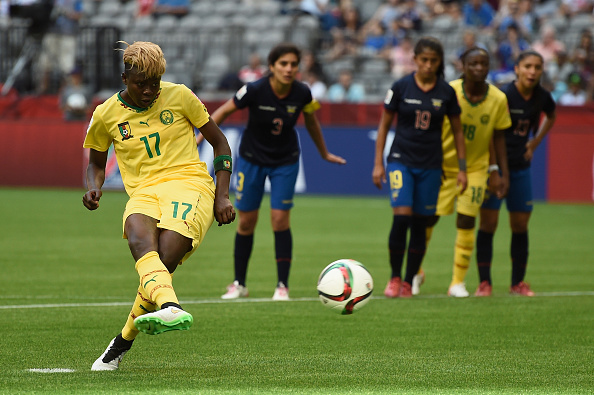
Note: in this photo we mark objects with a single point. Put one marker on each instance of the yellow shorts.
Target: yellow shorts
(469, 203)
(183, 206)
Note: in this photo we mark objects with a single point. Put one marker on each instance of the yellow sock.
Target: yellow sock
(155, 279)
(428, 234)
(462, 254)
(142, 305)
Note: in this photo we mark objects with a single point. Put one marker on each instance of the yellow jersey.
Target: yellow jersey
(479, 121)
(151, 144)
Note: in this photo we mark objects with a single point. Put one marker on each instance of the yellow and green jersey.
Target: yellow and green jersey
(479, 120)
(155, 143)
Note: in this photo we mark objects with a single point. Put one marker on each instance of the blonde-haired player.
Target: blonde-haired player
(173, 199)
(484, 118)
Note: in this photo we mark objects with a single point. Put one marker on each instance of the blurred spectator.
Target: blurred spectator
(316, 85)
(252, 71)
(576, 94)
(58, 54)
(312, 74)
(452, 18)
(315, 8)
(509, 48)
(432, 9)
(558, 72)
(346, 36)
(530, 19)
(545, 9)
(401, 58)
(518, 12)
(375, 39)
(548, 45)
(454, 12)
(75, 97)
(178, 8)
(583, 54)
(323, 11)
(345, 90)
(144, 7)
(311, 64)
(478, 14)
(408, 20)
(570, 8)
(469, 40)
(386, 13)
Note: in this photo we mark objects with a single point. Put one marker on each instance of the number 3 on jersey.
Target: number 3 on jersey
(277, 126)
(240, 178)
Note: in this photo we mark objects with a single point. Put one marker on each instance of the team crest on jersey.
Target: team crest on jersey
(166, 117)
(436, 103)
(485, 119)
(125, 130)
(291, 109)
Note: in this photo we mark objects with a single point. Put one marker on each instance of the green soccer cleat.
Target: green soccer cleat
(164, 320)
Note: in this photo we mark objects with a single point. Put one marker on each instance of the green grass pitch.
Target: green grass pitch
(67, 282)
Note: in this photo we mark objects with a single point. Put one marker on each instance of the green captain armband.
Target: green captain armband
(462, 164)
(223, 162)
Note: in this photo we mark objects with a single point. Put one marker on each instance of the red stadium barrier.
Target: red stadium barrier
(41, 153)
(39, 149)
(570, 162)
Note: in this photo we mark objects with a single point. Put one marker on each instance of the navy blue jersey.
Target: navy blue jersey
(420, 119)
(270, 138)
(525, 115)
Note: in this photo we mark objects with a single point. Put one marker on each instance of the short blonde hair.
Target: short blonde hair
(147, 57)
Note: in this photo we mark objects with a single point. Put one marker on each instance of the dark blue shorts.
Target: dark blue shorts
(413, 187)
(251, 183)
(519, 197)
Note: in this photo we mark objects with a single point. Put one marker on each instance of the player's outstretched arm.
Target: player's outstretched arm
(223, 112)
(315, 132)
(95, 178)
(223, 209)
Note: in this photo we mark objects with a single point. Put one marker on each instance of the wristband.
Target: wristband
(462, 164)
(493, 168)
(223, 162)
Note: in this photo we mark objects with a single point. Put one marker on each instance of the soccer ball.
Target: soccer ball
(345, 286)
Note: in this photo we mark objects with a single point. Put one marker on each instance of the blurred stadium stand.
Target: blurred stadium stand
(217, 37)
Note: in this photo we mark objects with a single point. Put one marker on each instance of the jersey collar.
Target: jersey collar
(134, 108)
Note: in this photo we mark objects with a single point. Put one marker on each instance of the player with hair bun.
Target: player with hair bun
(270, 149)
(173, 199)
(527, 101)
(422, 100)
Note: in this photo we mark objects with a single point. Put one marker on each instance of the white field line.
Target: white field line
(256, 300)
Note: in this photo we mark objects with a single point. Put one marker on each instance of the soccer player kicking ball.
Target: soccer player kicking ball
(173, 199)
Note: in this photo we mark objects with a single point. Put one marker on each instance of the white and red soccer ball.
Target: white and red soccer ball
(345, 286)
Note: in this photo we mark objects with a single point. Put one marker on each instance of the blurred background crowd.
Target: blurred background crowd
(353, 49)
